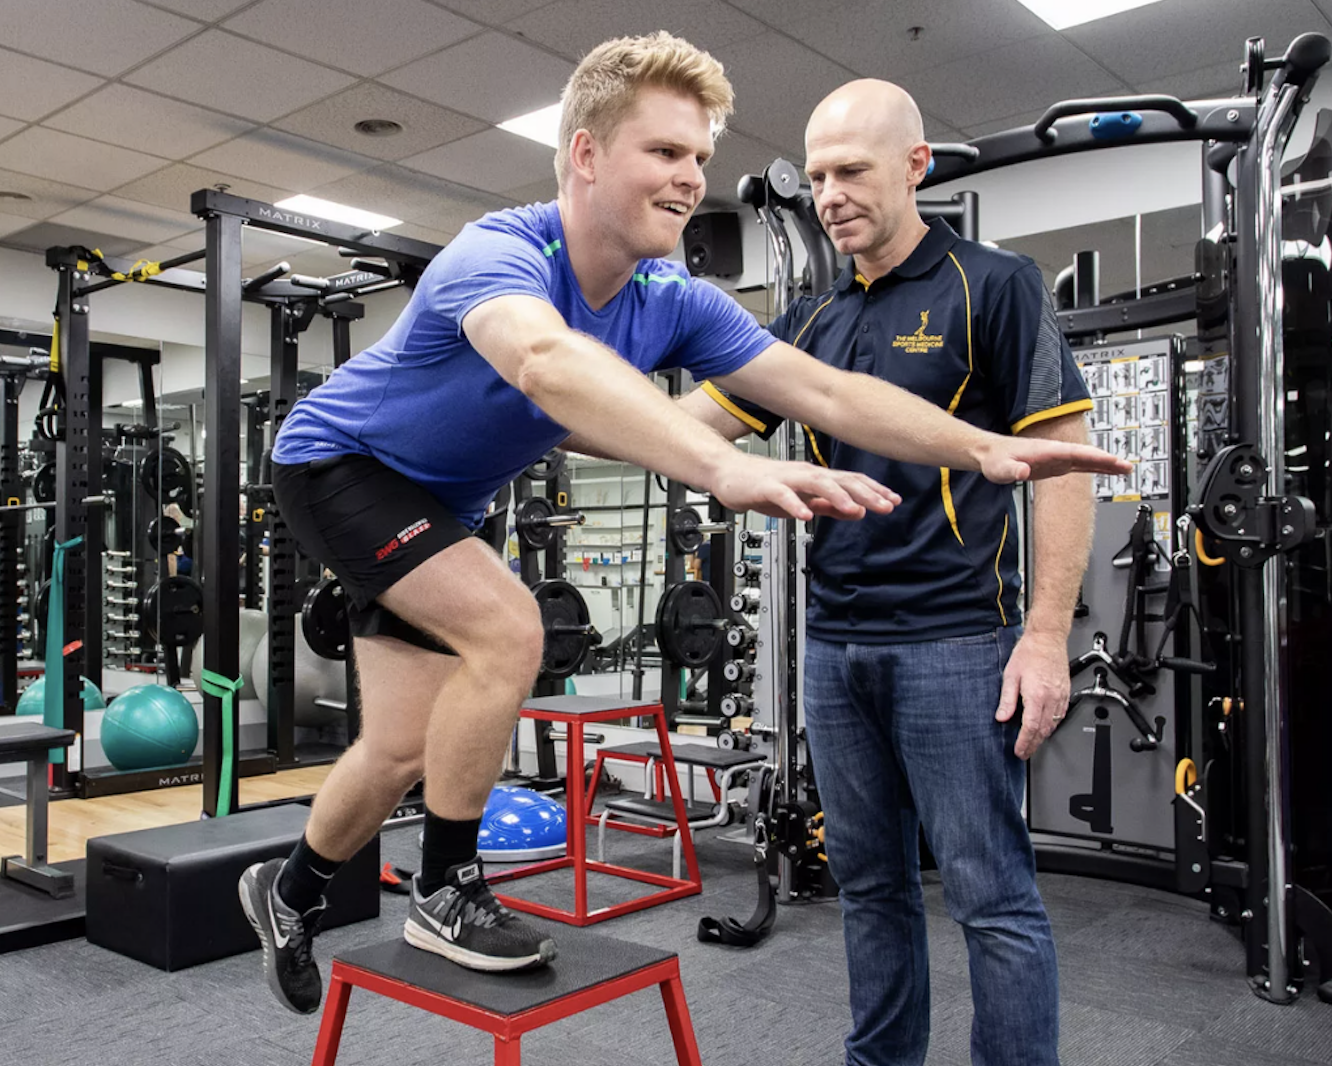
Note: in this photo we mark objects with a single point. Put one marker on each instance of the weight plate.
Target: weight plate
(44, 483)
(166, 476)
(165, 535)
(549, 466)
(568, 626)
(684, 531)
(690, 624)
(172, 612)
(530, 520)
(324, 619)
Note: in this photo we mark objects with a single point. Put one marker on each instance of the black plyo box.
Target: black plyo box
(168, 896)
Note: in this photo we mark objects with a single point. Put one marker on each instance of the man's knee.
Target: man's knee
(506, 642)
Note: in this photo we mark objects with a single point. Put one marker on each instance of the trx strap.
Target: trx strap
(225, 689)
(53, 709)
(746, 935)
(142, 270)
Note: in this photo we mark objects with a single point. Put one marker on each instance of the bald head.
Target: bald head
(867, 112)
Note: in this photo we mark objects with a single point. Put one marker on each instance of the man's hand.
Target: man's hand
(1038, 673)
(798, 490)
(1009, 459)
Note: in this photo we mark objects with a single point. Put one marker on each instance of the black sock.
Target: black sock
(305, 877)
(447, 843)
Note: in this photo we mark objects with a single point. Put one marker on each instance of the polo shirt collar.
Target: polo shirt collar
(929, 253)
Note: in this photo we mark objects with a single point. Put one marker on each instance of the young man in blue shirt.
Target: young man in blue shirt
(535, 327)
(916, 656)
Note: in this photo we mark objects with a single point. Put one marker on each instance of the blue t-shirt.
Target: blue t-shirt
(425, 403)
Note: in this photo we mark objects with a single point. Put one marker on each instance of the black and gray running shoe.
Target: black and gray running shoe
(287, 937)
(464, 922)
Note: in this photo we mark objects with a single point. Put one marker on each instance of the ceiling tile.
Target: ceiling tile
(493, 12)
(63, 157)
(10, 125)
(777, 83)
(736, 156)
(540, 191)
(478, 77)
(31, 88)
(44, 197)
(12, 223)
(1177, 35)
(492, 161)
(107, 37)
(1007, 80)
(387, 190)
(424, 125)
(128, 218)
(1209, 83)
(239, 76)
(782, 14)
(937, 132)
(160, 253)
(44, 235)
(351, 34)
(1008, 122)
(173, 186)
(260, 249)
(207, 10)
(417, 232)
(147, 122)
(268, 155)
(872, 39)
(448, 214)
(575, 27)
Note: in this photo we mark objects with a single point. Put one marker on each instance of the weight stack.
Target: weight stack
(168, 896)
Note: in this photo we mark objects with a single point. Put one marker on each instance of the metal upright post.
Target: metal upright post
(71, 513)
(11, 545)
(222, 363)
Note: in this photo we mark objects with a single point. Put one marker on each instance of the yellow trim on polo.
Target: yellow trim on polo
(739, 412)
(999, 599)
(810, 321)
(1071, 408)
(813, 444)
(945, 488)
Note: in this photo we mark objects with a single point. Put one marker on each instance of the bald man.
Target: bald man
(917, 661)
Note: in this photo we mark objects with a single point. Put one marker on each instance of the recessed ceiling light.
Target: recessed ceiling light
(351, 216)
(542, 126)
(378, 127)
(9, 194)
(1061, 14)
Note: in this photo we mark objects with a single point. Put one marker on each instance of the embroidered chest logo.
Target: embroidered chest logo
(920, 341)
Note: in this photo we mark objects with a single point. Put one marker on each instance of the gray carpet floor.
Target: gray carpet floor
(1147, 980)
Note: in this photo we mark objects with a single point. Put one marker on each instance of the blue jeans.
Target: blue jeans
(903, 736)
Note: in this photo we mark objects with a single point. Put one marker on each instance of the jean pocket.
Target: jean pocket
(975, 640)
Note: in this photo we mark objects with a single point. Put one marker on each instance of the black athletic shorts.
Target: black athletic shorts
(369, 525)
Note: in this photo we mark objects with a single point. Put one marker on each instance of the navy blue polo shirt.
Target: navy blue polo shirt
(972, 330)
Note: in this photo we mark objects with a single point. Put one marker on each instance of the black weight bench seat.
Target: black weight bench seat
(709, 756)
(590, 970)
(28, 740)
(659, 810)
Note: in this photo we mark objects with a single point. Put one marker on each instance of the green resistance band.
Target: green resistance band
(53, 707)
(225, 689)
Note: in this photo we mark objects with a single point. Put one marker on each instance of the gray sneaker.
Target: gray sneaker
(465, 923)
(286, 936)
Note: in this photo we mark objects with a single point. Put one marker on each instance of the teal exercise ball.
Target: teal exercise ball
(33, 700)
(149, 726)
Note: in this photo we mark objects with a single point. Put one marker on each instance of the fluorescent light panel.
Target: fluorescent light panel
(542, 126)
(1061, 14)
(334, 212)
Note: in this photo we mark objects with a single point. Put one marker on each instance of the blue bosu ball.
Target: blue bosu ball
(519, 824)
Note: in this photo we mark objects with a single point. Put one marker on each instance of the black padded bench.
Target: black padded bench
(28, 740)
(722, 766)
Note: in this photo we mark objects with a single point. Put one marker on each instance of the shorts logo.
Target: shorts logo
(414, 530)
(920, 341)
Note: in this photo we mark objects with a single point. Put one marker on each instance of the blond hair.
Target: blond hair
(604, 88)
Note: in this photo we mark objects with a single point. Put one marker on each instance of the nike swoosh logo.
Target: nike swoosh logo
(278, 937)
(448, 933)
